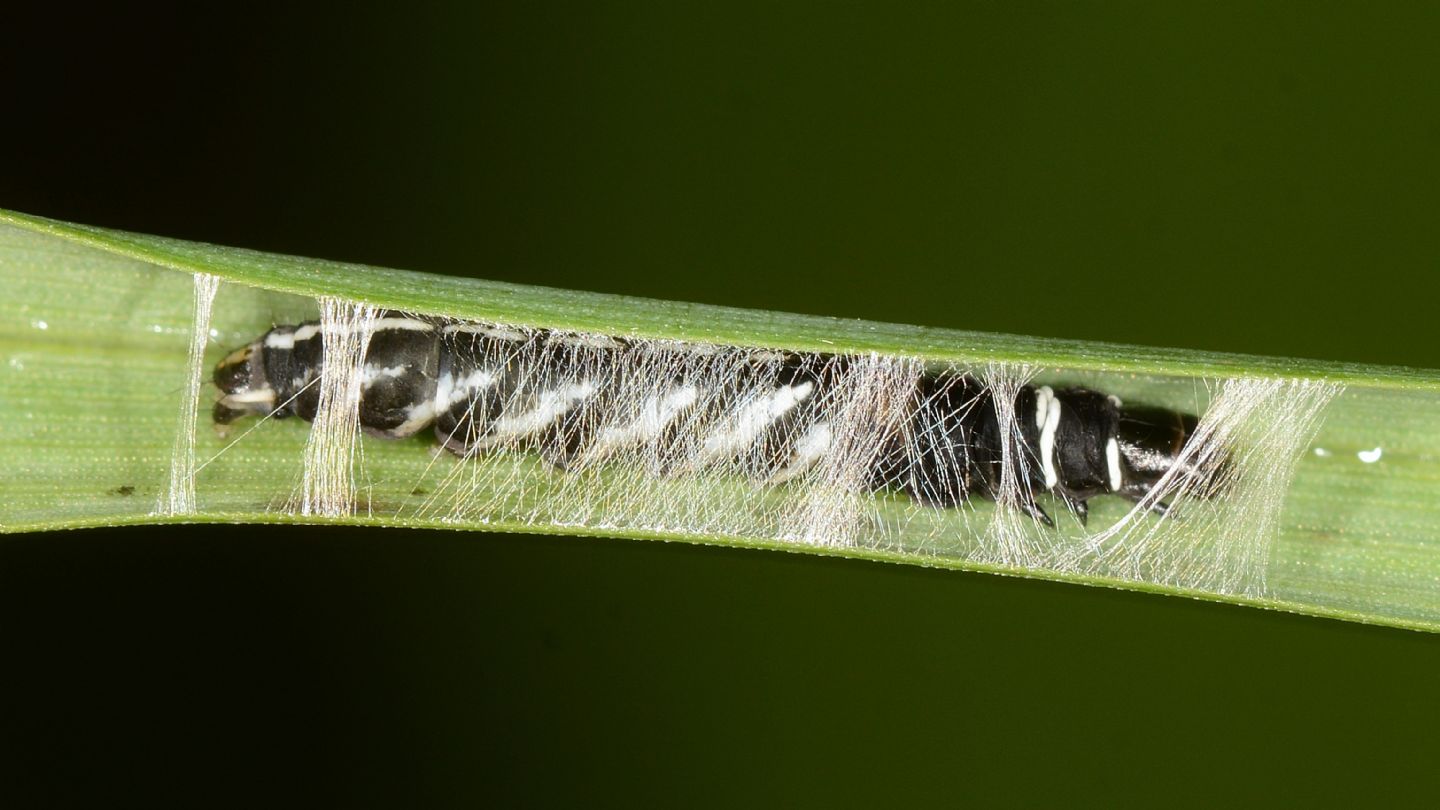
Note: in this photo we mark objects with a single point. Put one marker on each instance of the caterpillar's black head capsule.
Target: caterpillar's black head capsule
(241, 378)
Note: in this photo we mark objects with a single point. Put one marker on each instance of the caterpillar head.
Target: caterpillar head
(241, 379)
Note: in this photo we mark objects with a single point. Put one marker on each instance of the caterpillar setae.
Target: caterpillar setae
(580, 400)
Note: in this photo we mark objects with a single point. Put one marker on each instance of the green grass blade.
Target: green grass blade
(95, 331)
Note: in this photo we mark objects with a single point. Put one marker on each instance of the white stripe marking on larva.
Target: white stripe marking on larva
(811, 447)
(488, 330)
(1044, 395)
(417, 416)
(449, 391)
(655, 415)
(746, 425)
(1047, 444)
(265, 395)
(304, 332)
(549, 406)
(371, 373)
(403, 324)
(1112, 460)
(1114, 400)
(310, 330)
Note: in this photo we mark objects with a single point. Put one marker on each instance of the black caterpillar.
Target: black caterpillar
(579, 399)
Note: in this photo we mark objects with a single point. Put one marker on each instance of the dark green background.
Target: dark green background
(1258, 179)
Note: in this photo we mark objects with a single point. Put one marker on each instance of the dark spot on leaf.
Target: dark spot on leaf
(124, 490)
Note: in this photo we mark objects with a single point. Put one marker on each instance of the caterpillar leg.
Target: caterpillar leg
(1136, 494)
(1078, 507)
(1035, 511)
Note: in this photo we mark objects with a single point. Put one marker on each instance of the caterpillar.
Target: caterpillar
(581, 399)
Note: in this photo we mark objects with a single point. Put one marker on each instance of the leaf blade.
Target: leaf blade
(85, 406)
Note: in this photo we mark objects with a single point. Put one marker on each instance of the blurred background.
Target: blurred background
(1245, 177)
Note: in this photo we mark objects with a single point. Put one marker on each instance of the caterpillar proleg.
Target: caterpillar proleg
(437, 403)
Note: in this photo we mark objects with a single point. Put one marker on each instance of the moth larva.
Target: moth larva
(579, 400)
